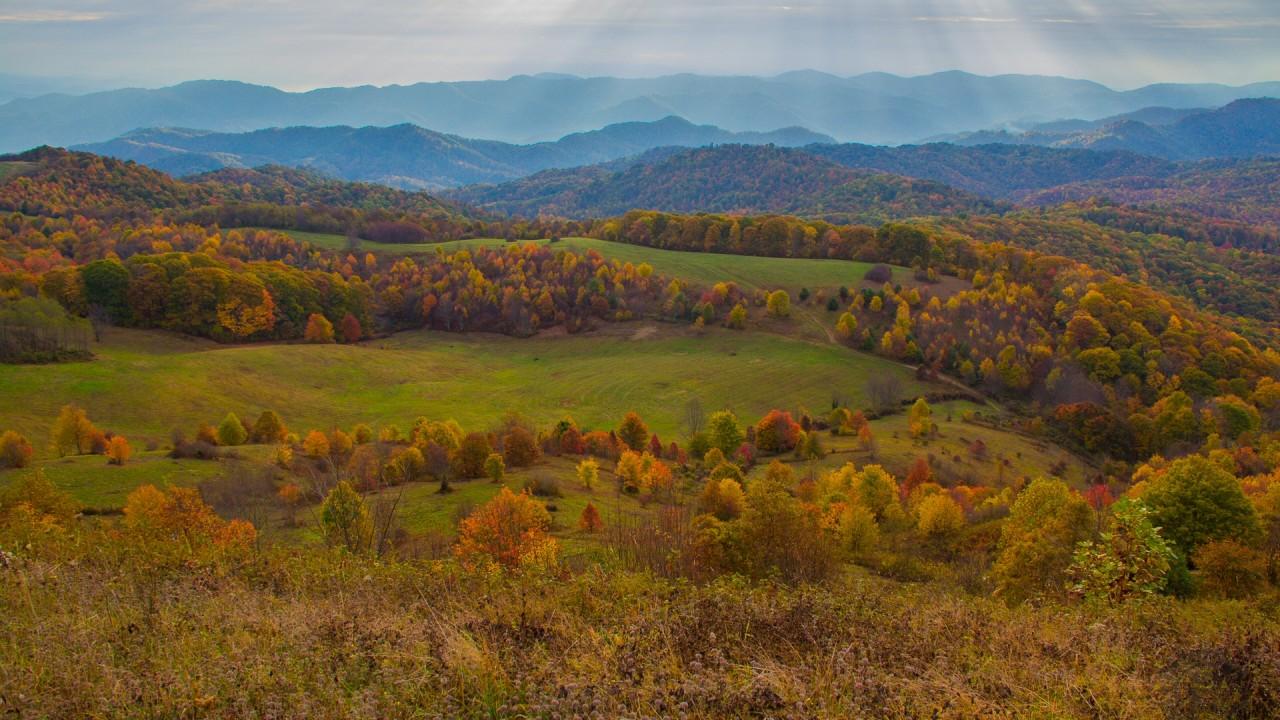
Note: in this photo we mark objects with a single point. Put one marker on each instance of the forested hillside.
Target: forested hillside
(413, 157)
(729, 178)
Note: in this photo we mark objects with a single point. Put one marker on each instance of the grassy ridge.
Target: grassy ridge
(695, 267)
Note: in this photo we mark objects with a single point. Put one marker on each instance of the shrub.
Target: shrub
(879, 274)
(1229, 569)
(231, 431)
(15, 451)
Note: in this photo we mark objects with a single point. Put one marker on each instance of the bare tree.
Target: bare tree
(694, 417)
(884, 391)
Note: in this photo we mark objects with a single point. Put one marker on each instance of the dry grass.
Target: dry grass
(124, 632)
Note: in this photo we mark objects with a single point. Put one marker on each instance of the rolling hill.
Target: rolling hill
(728, 178)
(1243, 190)
(412, 157)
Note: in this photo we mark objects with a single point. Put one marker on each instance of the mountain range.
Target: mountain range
(874, 108)
(412, 157)
(1244, 128)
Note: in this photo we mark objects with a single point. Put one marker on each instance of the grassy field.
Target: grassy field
(10, 169)
(696, 267)
(144, 384)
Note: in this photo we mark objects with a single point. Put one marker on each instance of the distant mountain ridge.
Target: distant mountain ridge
(873, 108)
(724, 179)
(1244, 128)
(408, 156)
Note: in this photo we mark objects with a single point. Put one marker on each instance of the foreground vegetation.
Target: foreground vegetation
(146, 632)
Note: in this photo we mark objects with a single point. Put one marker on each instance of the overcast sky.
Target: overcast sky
(298, 44)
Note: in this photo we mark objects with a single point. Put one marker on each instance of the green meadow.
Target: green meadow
(144, 384)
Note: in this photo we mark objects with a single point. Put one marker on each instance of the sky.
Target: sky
(302, 44)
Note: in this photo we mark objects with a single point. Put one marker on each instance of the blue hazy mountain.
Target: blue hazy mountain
(873, 108)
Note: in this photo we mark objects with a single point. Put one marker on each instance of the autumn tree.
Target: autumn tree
(939, 518)
(33, 494)
(919, 474)
(519, 448)
(268, 429)
(920, 419)
(118, 451)
(510, 530)
(231, 431)
(73, 433)
(633, 432)
(737, 317)
(723, 498)
(495, 467)
(1037, 540)
(590, 520)
(471, 455)
(319, 329)
(846, 326)
(345, 519)
(1229, 569)
(588, 473)
(778, 304)
(316, 444)
(777, 432)
(724, 432)
(351, 330)
(15, 451)
(340, 444)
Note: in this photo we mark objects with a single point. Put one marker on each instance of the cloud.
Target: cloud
(963, 19)
(51, 16)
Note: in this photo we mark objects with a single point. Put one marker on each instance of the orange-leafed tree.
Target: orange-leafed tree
(172, 513)
(316, 444)
(319, 329)
(15, 451)
(918, 474)
(118, 451)
(510, 530)
(777, 432)
(633, 432)
(519, 447)
(590, 520)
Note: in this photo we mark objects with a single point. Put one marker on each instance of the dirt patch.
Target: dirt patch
(644, 333)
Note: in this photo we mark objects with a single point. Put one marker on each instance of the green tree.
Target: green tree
(495, 467)
(724, 432)
(106, 283)
(231, 431)
(876, 490)
(1130, 561)
(345, 518)
(1195, 500)
(920, 419)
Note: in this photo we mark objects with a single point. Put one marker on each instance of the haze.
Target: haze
(297, 45)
